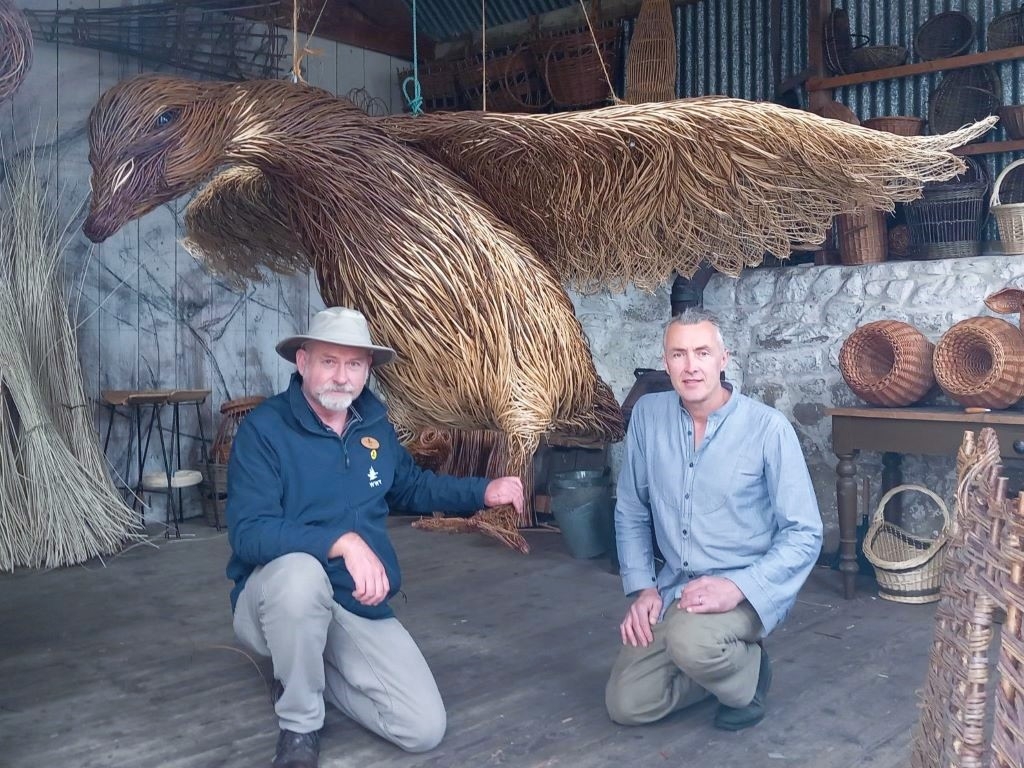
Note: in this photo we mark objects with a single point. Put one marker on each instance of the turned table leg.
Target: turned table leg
(846, 502)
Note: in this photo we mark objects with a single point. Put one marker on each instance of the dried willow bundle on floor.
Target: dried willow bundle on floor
(15, 49)
(58, 506)
(630, 193)
(454, 233)
(498, 523)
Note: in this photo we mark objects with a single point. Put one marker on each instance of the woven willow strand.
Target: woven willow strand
(15, 49)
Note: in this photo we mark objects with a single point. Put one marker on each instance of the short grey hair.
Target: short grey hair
(695, 316)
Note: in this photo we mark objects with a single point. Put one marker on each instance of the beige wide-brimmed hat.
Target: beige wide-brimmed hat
(337, 325)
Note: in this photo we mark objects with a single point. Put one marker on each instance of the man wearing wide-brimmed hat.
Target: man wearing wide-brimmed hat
(313, 471)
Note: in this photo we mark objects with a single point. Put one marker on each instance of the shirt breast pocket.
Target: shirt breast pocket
(739, 486)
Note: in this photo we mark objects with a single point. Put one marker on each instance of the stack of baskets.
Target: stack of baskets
(908, 568)
(946, 222)
(1009, 216)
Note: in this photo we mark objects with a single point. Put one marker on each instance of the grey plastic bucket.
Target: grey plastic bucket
(581, 502)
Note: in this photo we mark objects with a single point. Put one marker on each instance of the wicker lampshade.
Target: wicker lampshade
(979, 362)
(887, 362)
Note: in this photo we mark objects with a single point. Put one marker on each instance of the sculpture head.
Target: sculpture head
(151, 139)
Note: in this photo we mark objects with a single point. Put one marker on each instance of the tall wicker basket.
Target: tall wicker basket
(908, 568)
(1009, 216)
(887, 363)
(979, 362)
(946, 222)
(572, 65)
(233, 411)
(861, 237)
(651, 62)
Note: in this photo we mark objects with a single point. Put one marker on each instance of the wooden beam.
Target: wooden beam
(990, 147)
(384, 26)
(920, 68)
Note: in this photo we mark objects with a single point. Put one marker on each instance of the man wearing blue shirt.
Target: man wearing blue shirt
(312, 474)
(721, 483)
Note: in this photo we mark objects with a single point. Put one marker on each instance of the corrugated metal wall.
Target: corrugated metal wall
(724, 47)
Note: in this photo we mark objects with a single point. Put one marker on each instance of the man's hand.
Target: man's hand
(366, 568)
(642, 615)
(505, 490)
(710, 594)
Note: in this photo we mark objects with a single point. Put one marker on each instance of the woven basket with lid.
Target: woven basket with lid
(888, 363)
(979, 362)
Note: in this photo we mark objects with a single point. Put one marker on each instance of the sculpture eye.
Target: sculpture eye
(165, 118)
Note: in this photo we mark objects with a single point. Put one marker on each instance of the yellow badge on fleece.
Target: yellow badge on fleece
(372, 444)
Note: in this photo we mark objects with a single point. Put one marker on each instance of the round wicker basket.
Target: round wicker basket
(233, 411)
(888, 363)
(908, 568)
(979, 362)
(945, 34)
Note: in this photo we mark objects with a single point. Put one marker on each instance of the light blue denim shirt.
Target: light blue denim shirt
(740, 505)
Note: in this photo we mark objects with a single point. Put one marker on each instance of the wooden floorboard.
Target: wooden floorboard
(133, 663)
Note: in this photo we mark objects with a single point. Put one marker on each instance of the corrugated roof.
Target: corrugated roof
(452, 19)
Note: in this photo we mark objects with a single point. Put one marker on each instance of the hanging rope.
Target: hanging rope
(600, 55)
(298, 54)
(415, 101)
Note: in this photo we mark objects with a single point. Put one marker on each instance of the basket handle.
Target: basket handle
(994, 199)
(879, 515)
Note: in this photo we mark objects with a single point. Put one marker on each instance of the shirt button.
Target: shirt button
(691, 465)
(691, 574)
(685, 564)
(684, 531)
(686, 496)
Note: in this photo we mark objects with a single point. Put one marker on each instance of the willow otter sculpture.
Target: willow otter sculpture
(454, 233)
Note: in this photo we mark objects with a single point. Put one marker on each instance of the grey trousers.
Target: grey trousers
(369, 669)
(693, 656)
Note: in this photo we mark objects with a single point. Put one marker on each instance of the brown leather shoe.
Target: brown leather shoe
(297, 750)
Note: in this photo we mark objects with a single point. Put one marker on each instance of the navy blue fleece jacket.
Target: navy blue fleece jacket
(294, 485)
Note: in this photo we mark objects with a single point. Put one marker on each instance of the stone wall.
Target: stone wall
(785, 326)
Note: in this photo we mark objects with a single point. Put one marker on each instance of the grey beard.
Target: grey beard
(334, 401)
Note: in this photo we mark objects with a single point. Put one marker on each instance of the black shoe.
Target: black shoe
(738, 718)
(297, 750)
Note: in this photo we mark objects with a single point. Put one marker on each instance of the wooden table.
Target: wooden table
(893, 432)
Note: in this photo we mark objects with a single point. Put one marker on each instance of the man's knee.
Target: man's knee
(693, 648)
(624, 704)
(423, 732)
(296, 583)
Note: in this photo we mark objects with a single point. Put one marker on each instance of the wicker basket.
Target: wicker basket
(861, 237)
(946, 222)
(513, 82)
(838, 43)
(233, 412)
(1009, 216)
(898, 124)
(888, 363)
(1005, 30)
(1012, 120)
(944, 35)
(651, 62)
(899, 241)
(979, 362)
(908, 568)
(870, 57)
(964, 96)
(572, 66)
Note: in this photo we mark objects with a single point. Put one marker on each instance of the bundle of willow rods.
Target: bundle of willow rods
(631, 193)
(58, 505)
(15, 49)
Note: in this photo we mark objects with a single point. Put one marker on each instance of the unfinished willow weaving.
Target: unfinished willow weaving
(454, 233)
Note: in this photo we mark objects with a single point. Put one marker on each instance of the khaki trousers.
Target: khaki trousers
(693, 656)
(370, 669)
